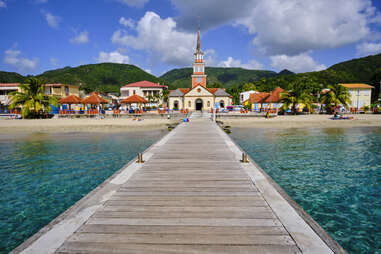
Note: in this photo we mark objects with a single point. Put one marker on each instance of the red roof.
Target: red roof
(184, 90)
(258, 97)
(274, 95)
(212, 90)
(9, 85)
(94, 98)
(71, 99)
(145, 83)
(134, 99)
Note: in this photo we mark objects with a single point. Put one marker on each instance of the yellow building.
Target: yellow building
(360, 95)
(61, 90)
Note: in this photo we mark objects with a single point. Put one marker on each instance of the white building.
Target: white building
(143, 89)
(244, 96)
(5, 89)
(360, 95)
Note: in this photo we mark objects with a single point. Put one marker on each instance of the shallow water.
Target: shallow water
(41, 175)
(334, 174)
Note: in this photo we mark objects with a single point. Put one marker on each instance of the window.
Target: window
(208, 103)
(366, 92)
(134, 92)
(189, 104)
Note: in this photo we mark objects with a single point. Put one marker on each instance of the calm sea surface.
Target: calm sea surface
(41, 175)
(334, 174)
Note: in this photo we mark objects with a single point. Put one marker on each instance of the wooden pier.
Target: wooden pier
(192, 195)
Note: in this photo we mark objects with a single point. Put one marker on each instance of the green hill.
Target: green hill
(228, 77)
(10, 77)
(106, 77)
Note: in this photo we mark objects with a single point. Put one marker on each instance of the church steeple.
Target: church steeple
(198, 77)
(198, 48)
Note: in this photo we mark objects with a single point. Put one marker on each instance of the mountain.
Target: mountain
(286, 72)
(228, 77)
(10, 77)
(362, 69)
(106, 77)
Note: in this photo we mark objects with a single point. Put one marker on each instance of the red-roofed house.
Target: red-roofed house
(265, 100)
(142, 88)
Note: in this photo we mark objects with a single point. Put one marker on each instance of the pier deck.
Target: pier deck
(192, 195)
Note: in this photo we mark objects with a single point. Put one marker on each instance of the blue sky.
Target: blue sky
(158, 35)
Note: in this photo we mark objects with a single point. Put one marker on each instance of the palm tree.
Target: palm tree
(337, 95)
(32, 99)
(297, 95)
(164, 95)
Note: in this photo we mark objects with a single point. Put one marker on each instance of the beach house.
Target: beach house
(262, 101)
(360, 95)
(146, 89)
(243, 96)
(199, 97)
(61, 90)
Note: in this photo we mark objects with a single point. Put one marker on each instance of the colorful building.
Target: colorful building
(199, 97)
(245, 96)
(263, 101)
(143, 89)
(61, 90)
(360, 95)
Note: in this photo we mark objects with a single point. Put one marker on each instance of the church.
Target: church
(199, 97)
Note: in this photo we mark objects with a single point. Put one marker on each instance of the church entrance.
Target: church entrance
(198, 104)
(222, 104)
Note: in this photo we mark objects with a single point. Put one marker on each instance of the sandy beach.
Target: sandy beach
(82, 125)
(303, 121)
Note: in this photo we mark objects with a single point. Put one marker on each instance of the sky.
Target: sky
(159, 35)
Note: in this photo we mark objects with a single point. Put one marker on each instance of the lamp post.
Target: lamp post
(358, 94)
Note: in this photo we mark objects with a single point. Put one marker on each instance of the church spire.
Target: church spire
(198, 48)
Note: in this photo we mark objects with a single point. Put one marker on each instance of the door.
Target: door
(198, 104)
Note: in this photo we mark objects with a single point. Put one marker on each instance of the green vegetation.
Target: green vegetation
(11, 77)
(300, 93)
(228, 77)
(337, 95)
(32, 100)
(104, 77)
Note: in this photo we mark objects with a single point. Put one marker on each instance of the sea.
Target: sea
(334, 174)
(43, 174)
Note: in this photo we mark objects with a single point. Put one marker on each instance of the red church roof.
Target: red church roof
(145, 83)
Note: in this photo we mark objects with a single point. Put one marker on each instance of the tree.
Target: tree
(298, 94)
(337, 95)
(249, 87)
(376, 82)
(216, 85)
(32, 99)
(164, 95)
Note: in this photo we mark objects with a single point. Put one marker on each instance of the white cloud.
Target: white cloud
(3, 4)
(160, 38)
(53, 21)
(113, 57)
(13, 58)
(286, 27)
(368, 48)
(81, 38)
(299, 63)
(148, 71)
(231, 62)
(53, 61)
(130, 23)
(134, 3)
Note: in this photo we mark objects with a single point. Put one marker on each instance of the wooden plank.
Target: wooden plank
(187, 222)
(117, 248)
(205, 209)
(202, 230)
(182, 239)
(211, 203)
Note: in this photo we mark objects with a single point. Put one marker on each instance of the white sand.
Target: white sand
(302, 121)
(78, 125)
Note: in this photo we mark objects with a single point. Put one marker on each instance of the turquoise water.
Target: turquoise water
(334, 174)
(41, 175)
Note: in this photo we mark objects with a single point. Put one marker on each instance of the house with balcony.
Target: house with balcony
(360, 95)
(145, 89)
(5, 90)
(61, 90)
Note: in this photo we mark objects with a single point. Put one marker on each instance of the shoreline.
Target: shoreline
(302, 121)
(82, 125)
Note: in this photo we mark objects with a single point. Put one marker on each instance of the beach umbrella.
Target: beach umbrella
(94, 99)
(134, 99)
(71, 99)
